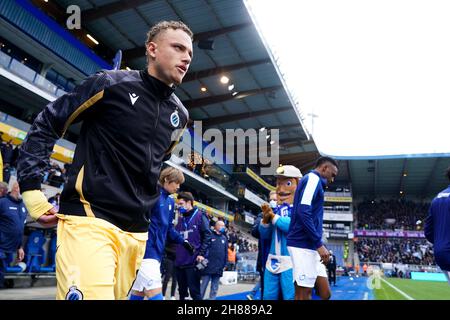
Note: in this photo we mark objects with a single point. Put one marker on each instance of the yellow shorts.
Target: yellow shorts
(95, 259)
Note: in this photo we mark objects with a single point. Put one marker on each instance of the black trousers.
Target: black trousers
(3, 265)
(189, 278)
(261, 278)
(332, 276)
(170, 272)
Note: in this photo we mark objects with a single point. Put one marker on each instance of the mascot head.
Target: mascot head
(287, 181)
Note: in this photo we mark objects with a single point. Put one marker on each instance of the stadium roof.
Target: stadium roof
(238, 52)
(416, 178)
(261, 100)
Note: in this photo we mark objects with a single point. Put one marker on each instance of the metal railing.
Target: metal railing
(28, 74)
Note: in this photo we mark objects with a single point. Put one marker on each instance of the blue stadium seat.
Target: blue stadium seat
(51, 256)
(34, 253)
(240, 270)
(13, 269)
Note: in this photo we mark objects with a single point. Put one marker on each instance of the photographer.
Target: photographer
(194, 226)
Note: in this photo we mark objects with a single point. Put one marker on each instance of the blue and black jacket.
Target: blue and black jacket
(161, 227)
(128, 121)
(13, 215)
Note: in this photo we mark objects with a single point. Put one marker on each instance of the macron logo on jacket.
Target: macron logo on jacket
(133, 98)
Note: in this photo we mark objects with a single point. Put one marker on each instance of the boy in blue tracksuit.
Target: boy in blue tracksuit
(278, 283)
(437, 228)
(148, 280)
(309, 255)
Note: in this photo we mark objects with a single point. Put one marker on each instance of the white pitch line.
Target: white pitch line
(397, 289)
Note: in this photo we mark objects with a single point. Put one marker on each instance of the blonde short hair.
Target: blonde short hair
(170, 174)
(164, 25)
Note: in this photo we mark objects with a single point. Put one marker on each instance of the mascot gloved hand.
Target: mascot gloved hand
(267, 213)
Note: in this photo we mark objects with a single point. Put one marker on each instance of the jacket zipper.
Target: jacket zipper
(150, 145)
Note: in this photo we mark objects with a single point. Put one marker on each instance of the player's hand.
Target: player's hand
(20, 255)
(188, 247)
(200, 258)
(324, 255)
(49, 219)
(267, 213)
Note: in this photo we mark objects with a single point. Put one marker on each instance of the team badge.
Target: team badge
(74, 294)
(274, 264)
(284, 212)
(175, 119)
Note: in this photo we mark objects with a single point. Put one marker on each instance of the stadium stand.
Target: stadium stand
(391, 215)
(392, 250)
(34, 251)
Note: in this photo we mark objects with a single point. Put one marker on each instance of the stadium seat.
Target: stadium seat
(51, 256)
(34, 253)
(13, 269)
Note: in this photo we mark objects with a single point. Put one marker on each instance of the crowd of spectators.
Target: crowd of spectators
(55, 175)
(391, 215)
(240, 241)
(10, 154)
(393, 250)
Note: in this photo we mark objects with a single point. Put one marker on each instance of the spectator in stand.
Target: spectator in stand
(7, 150)
(394, 250)
(390, 215)
(56, 176)
(231, 258)
(55, 200)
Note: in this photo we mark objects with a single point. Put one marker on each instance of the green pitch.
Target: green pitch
(418, 290)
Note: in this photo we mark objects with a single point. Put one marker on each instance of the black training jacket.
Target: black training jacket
(128, 121)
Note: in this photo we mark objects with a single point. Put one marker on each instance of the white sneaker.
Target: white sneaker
(173, 298)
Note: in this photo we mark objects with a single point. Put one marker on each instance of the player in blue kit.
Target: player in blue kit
(304, 240)
(148, 281)
(437, 228)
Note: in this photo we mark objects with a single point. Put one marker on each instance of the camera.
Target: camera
(202, 264)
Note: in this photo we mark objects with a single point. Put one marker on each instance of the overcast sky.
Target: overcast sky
(376, 73)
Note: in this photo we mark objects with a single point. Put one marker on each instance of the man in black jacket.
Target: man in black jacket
(331, 266)
(130, 119)
(216, 254)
